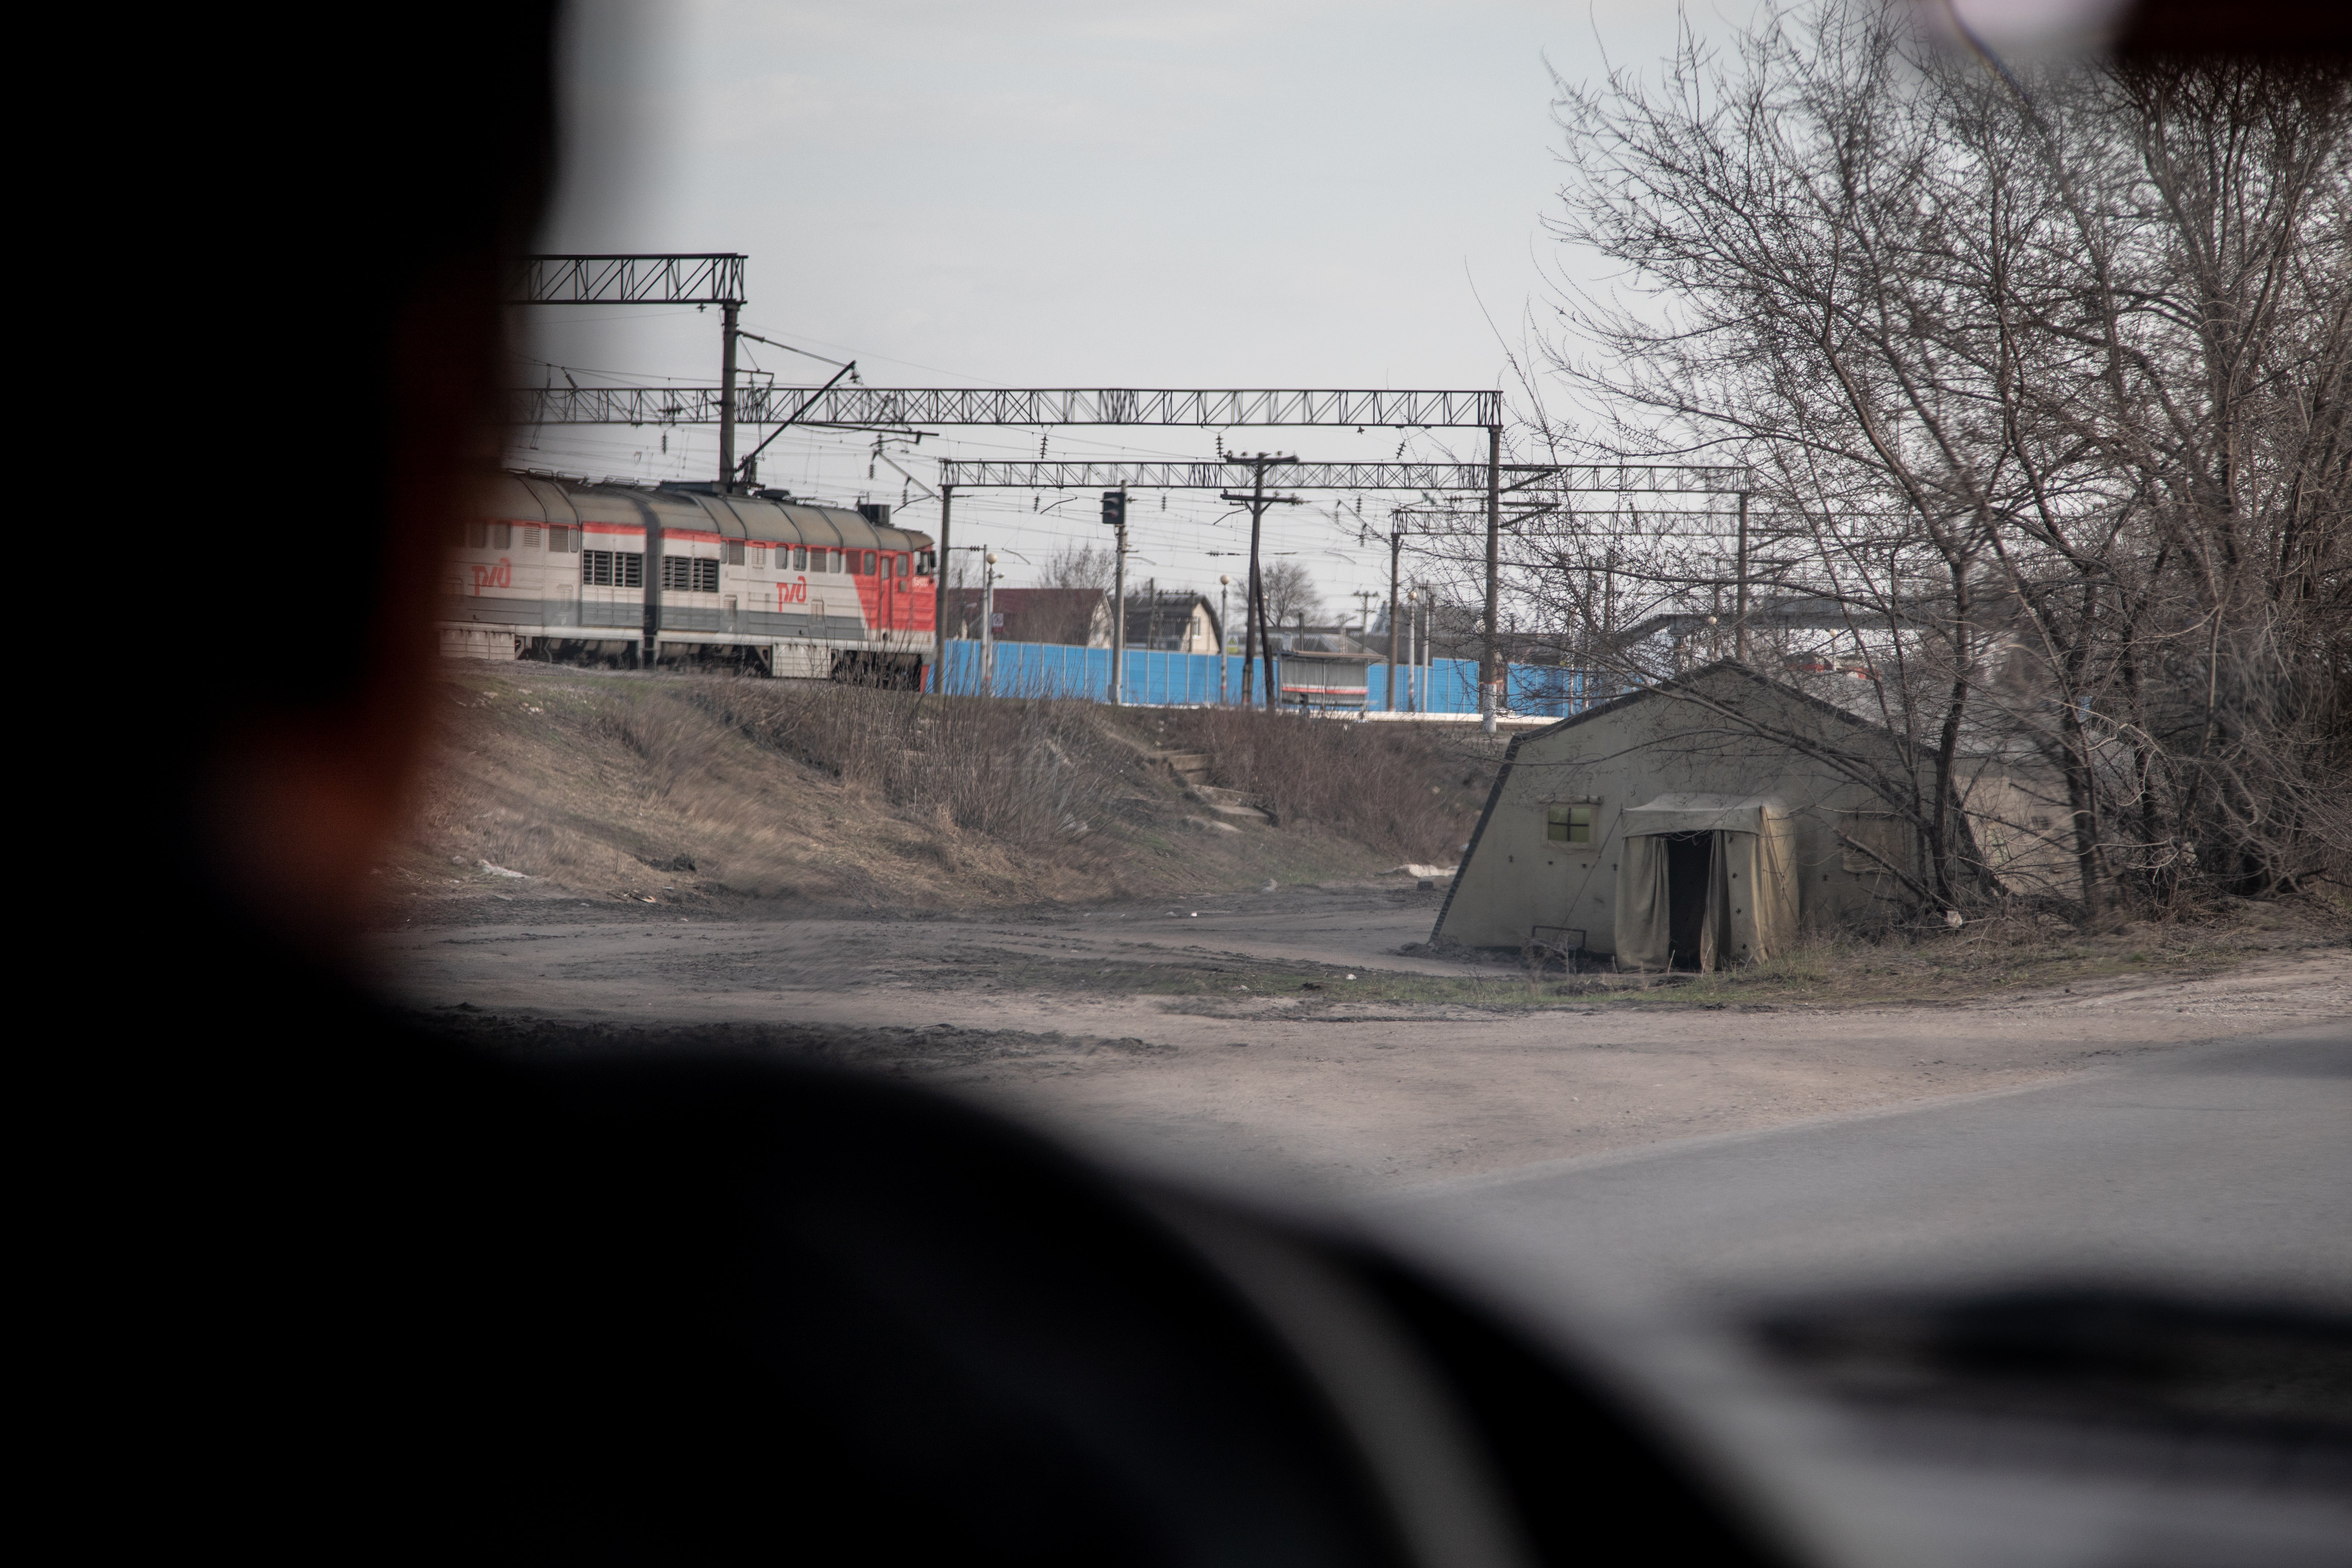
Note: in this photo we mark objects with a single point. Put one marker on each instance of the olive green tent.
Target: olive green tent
(1710, 877)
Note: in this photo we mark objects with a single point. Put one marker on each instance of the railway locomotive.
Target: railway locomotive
(551, 566)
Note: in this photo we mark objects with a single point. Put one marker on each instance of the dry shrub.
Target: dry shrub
(1391, 786)
(1028, 772)
(676, 739)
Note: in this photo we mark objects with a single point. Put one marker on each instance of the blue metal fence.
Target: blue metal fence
(1052, 669)
(1153, 678)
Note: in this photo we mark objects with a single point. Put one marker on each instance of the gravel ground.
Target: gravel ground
(1150, 1032)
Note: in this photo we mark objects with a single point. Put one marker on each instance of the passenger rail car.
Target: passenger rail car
(554, 567)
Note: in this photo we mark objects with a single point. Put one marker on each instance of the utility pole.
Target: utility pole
(1739, 603)
(1260, 642)
(940, 598)
(1490, 674)
(1115, 516)
(726, 395)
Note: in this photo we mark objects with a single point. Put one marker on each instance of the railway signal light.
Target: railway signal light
(1114, 508)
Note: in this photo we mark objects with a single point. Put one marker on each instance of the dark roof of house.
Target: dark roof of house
(1173, 608)
(1032, 615)
(1013, 601)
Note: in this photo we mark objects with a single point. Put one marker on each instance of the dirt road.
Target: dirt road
(1150, 1032)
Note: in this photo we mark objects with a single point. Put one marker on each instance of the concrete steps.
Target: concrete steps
(1192, 769)
(1225, 802)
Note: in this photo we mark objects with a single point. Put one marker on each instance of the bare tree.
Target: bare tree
(1086, 572)
(1291, 599)
(2041, 379)
(1078, 566)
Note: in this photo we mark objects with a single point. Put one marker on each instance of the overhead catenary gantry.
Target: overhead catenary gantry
(1643, 478)
(728, 405)
(708, 279)
(703, 279)
(1204, 407)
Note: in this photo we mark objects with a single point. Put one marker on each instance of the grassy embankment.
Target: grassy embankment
(729, 791)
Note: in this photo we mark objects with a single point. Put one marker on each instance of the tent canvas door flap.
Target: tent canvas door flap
(1709, 879)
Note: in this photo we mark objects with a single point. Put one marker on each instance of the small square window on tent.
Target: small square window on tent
(1568, 824)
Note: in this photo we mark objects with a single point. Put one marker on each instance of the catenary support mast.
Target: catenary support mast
(1490, 670)
(726, 395)
(940, 595)
(1740, 600)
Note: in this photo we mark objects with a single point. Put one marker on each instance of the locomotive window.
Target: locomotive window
(800, 557)
(833, 559)
(613, 568)
(734, 552)
(562, 539)
(906, 565)
(855, 560)
(478, 534)
(502, 536)
(690, 575)
(869, 564)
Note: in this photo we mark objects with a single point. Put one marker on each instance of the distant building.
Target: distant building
(1075, 617)
(1172, 621)
(1166, 621)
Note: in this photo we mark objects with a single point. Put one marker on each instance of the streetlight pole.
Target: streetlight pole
(1224, 579)
(1396, 544)
(1415, 690)
(987, 621)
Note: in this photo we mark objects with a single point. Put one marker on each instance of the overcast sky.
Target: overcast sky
(1039, 192)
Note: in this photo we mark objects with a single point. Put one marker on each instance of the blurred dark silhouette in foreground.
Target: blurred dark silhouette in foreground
(351, 1291)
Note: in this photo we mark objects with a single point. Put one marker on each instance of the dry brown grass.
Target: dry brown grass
(1031, 773)
(706, 786)
(1406, 789)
